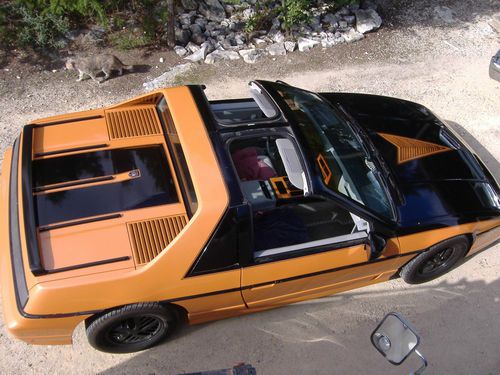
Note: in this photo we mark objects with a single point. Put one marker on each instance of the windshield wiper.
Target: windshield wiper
(367, 143)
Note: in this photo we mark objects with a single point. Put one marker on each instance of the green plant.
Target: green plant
(6, 34)
(262, 17)
(251, 24)
(41, 29)
(93, 9)
(126, 39)
(153, 18)
(294, 12)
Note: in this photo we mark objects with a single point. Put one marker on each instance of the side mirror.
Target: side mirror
(395, 338)
(377, 244)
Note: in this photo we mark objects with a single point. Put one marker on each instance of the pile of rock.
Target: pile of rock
(211, 30)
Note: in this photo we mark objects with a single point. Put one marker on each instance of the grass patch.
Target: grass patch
(126, 40)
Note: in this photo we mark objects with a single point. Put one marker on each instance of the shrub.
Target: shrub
(262, 18)
(290, 13)
(126, 40)
(294, 12)
(41, 29)
(92, 9)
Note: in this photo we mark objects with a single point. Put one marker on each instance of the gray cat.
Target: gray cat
(94, 64)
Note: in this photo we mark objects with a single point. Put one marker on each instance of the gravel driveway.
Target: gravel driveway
(442, 64)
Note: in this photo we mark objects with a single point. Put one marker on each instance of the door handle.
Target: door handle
(265, 286)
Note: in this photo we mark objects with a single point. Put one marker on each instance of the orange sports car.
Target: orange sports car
(170, 208)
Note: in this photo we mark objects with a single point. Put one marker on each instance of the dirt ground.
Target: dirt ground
(416, 56)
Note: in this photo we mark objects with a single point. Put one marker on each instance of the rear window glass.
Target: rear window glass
(154, 186)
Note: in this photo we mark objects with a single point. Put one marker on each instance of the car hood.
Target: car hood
(435, 174)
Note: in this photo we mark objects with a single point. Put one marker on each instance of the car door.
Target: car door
(325, 262)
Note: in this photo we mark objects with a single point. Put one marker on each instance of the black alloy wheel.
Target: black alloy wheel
(135, 330)
(436, 261)
(130, 328)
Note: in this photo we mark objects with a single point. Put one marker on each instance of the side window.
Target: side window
(285, 222)
(221, 251)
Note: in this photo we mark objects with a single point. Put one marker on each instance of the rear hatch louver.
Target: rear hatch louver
(149, 237)
(134, 122)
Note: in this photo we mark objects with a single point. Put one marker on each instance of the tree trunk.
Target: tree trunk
(284, 10)
(171, 23)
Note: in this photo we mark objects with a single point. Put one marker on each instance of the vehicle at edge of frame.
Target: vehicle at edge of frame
(170, 208)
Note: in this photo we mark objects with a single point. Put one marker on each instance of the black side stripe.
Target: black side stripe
(331, 270)
(67, 121)
(40, 189)
(232, 290)
(90, 264)
(83, 148)
(78, 222)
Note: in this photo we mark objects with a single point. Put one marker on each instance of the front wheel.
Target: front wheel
(130, 328)
(436, 261)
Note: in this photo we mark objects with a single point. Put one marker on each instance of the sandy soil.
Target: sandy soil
(415, 56)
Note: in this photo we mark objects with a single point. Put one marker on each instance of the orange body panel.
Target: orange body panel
(163, 277)
(67, 136)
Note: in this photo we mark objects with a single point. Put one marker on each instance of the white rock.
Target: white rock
(352, 36)
(367, 20)
(198, 55)
(181, 51)
(343, 24)
(327, 42)
(305, 44)
(167, 78)
(290, 46)
(277, 36)
(208, 45)
(277, 49)
(162, 59)
(259, 42)
(54, 70)
(218, 55)
(191, 47)
(250, 56)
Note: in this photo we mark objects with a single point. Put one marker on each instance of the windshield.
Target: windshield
(339, 153)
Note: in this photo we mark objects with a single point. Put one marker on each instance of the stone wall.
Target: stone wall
(211, 30)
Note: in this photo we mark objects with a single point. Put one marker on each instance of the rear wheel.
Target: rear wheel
(436, 261)
(130, 328)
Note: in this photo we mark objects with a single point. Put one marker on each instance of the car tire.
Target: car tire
(436, 261)
(130, 328)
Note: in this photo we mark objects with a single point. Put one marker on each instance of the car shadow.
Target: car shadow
(456, 320)
(488, 159)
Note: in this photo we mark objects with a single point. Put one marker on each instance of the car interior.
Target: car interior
(284, 219)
